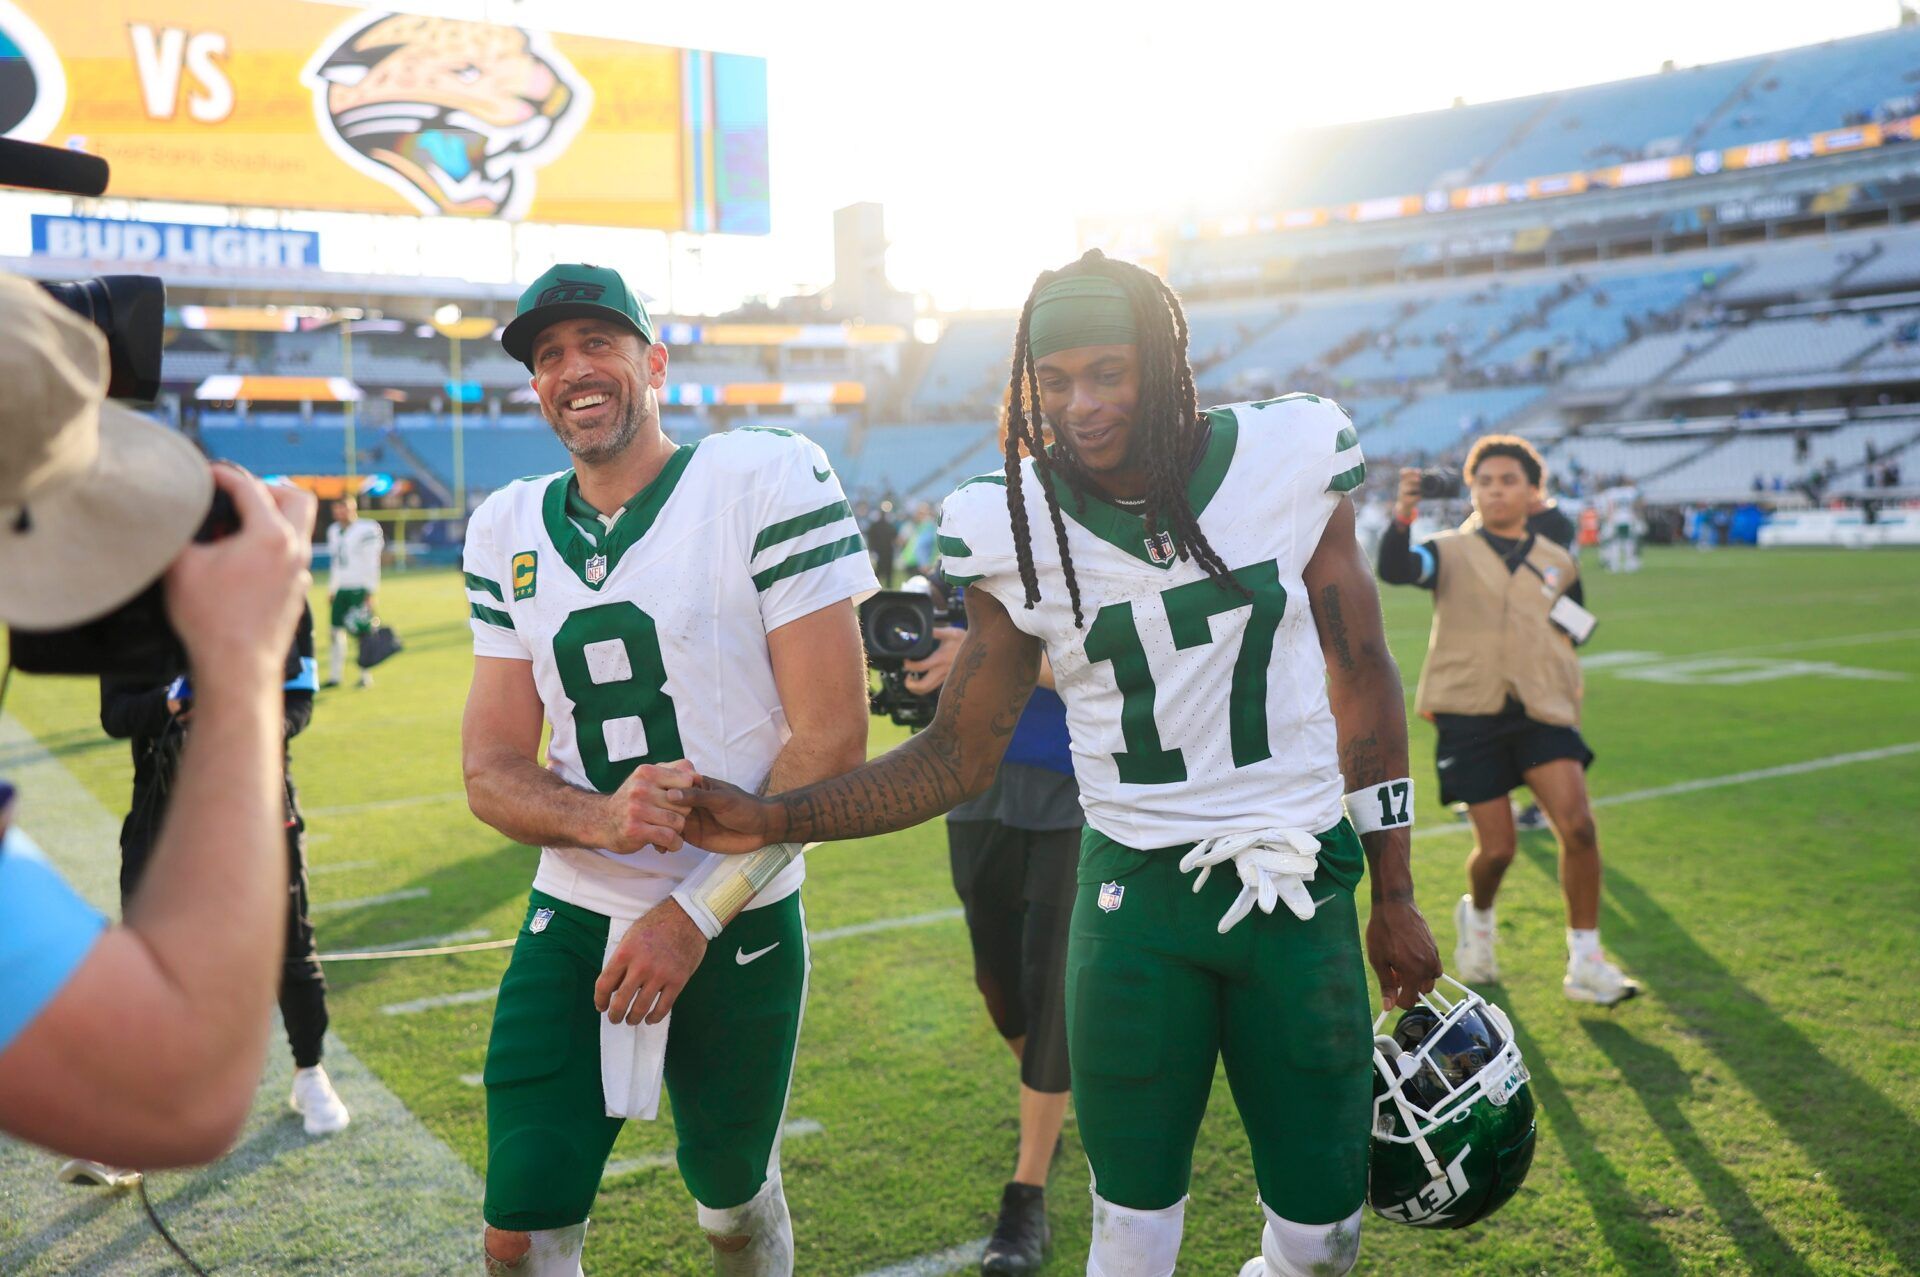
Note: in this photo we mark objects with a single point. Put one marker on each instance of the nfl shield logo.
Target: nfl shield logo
(1110, 893)
(541, 917)
(596, 569)
(1160, 548)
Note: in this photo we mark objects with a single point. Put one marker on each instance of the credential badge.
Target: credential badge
(1160, 548)
(541, 917)
(1110, 893)
(596, 569)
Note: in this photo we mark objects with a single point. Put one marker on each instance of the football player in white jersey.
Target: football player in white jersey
(1621, 524)
(353, 579)
(1240, 741)
(652, 605)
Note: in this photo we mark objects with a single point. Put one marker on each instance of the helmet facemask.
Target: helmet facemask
(1438, 1065)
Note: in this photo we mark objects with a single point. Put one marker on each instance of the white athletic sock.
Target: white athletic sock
(763, 1221)
(337, 658)
(1135, 1243)
(1583, 944)
(1481, 917)
(1309, 1250)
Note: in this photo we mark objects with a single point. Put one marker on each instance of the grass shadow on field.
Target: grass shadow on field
(1867, 1148)
(1660, 1083)
(460, 892)
(82, 740)
(265, 1147)
(92, 1204)
(1617, 1210)
(428, 638)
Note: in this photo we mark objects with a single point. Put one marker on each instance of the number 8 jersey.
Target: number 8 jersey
(1194, 710)
(648, 636)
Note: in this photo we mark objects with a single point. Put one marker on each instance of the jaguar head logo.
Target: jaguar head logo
(456, 116)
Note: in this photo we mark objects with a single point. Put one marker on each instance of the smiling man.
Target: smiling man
(654, 604)
(1213, 628)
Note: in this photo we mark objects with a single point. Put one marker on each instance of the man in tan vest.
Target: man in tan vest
(1502, 685)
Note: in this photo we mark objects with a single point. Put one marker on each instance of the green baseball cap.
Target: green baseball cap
(573, 290)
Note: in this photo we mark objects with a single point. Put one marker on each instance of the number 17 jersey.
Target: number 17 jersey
(1194, 709)
(648, 638)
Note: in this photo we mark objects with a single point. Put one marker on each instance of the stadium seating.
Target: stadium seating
(1314, 329)
(1641, 362)
(1818, 87)
(1781, 347)
(968, 370)
(1461, 320)
(1436, 423)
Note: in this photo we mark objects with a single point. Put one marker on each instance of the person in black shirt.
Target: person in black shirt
(156, 720)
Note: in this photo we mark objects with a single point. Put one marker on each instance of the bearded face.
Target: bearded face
(454, 115)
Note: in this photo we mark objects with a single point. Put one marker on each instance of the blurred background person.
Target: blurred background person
(353, 579)
(1013, 852)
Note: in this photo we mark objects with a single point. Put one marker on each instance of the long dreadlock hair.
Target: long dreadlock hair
(1168, 428)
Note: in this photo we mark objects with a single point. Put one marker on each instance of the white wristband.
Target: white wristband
(715, 893)
(1388, 805)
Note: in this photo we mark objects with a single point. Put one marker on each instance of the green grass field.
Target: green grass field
(1757, 1112)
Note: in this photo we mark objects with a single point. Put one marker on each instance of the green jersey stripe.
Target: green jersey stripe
(1348, 480)
(481, 583)
(1347, 438)
(961, 581)
(490, 616)
(788, 529)
(807, 560)
(953, 547)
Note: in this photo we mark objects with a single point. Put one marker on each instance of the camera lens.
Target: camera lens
(896, 629)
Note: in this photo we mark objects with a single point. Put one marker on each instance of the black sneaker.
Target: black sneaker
(1530, 817)
(1021, 1239)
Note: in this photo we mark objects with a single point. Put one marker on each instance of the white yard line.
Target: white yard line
(953, 1259)
(338, 867)
(441, 1000)
(884, 924)
(338, 906)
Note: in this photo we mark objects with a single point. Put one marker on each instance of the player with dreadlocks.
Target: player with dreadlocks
(1215, 633)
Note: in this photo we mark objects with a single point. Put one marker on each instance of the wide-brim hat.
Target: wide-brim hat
(95, 499)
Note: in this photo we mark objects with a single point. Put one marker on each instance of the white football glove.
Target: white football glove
(1273, 864)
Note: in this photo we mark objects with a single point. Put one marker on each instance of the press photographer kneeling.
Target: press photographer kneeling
(1501, 683)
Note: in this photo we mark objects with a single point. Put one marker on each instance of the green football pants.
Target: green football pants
(729, 1062)
(1156, 995)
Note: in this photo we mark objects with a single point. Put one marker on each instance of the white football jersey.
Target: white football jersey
(649, 639)
(353, 554)
(1618, 502)
(1194, 710)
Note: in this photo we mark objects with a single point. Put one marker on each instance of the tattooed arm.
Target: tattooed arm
(954, 759)
(1370, 715)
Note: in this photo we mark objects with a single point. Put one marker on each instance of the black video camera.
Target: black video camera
(131, 313)
(897, 626)
(135, 640)
(1439, 483)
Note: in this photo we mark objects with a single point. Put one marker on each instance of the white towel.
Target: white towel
(633, 1057)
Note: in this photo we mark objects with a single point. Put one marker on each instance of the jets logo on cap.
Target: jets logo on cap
(570, 290)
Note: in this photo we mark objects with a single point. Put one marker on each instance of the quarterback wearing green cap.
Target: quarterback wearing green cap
(1240, 742)
(661, 608)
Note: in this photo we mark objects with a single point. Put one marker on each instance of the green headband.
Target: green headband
(1081, 310)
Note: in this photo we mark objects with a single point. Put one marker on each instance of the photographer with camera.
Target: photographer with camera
(1013, 852)
(1501, 683)
(142, 1043)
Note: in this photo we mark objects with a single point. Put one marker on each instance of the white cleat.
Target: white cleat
(1597, 981)
(95, 1174)
(1255, 1267)
(1473, 960)
(314, 1100)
